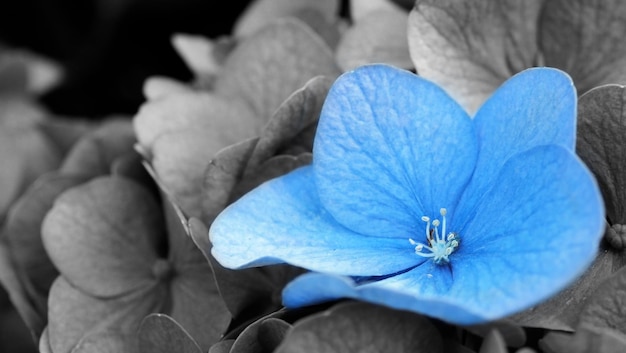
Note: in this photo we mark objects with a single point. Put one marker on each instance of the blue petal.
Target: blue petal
(536, 232)
(390, 148)
(283, 221)
(535, 107)
(314, 288)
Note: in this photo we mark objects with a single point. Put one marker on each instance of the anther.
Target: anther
(440, 246)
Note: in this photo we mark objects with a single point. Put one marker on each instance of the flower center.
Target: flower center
(440, 245)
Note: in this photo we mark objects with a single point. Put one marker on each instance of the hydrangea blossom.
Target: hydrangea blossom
(411, 203)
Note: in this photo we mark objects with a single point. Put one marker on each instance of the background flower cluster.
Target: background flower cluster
(104, 247)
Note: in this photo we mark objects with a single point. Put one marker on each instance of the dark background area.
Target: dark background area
(109, 47)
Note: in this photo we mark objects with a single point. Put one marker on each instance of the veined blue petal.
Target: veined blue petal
(390, 148)
(282, 221)
(535, 107)
(536, 230)
(533, 234)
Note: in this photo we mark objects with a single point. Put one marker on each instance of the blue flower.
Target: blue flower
(412, 204)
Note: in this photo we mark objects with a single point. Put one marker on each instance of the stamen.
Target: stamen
(443, 213)
(439, 247)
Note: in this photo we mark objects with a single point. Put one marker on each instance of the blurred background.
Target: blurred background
(107, 49)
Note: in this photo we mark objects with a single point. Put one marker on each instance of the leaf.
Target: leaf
(584, 38)
(377, 37)
(493, 343)
(356, 326)
(104, 235)
(600, 136)
(471, 47)
(606, 307)
(159, 333)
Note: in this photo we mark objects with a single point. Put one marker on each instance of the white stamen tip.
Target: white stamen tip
(440, 246)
